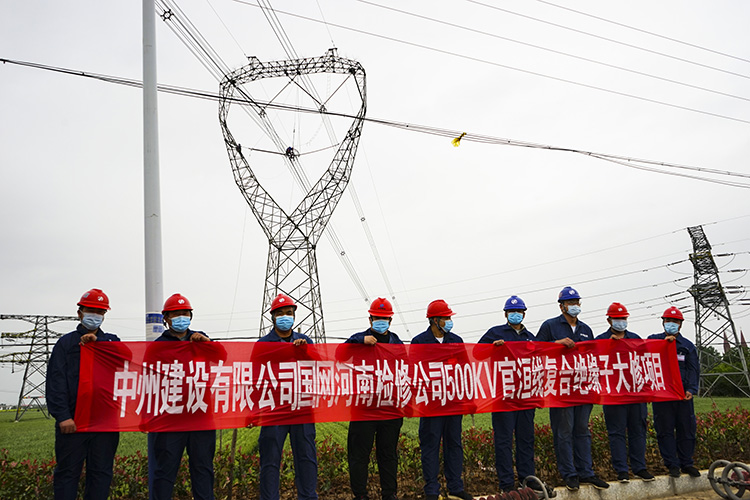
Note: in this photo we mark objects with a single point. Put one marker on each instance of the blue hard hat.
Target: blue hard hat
(514, 303)
(568, 293)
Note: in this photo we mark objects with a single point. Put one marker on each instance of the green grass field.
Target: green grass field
(34, 435)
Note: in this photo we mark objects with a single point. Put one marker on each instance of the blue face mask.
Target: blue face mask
(284, 323)
(448, 326)
(180, 323)
(671, 328)
(619, 325)
(574, 310)
(380, 325)
(515, 318)
(92, 321)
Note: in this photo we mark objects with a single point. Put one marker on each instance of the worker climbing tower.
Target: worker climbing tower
(713, 323)
(32, 349)
(292, 237)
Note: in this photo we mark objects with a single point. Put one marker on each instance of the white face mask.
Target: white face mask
(92, 321)
(574, 310)
(619, 325)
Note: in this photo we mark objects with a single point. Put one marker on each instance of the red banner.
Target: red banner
(176, 386)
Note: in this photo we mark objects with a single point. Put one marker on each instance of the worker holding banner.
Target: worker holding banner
(675, 420)
(165, 449)
(73, 448)
(570, 425)
(301, 436)
(506, 424)
(625, 419)
(446, 428)
(384, 432)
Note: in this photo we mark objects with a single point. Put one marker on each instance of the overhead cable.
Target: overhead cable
(630, 162)
(632, 46)
(645, 31)
(505, 66)
(554, 51)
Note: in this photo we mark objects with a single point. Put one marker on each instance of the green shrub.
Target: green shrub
(721, 435)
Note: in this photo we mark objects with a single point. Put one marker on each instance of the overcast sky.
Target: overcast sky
(472, 224)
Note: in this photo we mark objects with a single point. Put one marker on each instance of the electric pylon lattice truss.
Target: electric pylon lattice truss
(34, 348)
(292, 266)
(713, 321)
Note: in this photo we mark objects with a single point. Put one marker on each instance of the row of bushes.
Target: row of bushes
(720, 435)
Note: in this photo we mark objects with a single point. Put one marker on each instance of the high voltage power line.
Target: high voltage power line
(645, 31)
(637, 163)
(554, 51)
(599, 37)
(505, 66)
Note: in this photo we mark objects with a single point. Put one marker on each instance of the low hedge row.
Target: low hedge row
(720, 435)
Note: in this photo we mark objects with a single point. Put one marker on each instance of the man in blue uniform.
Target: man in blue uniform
(629, 418)
(674, 421)
(506, 424)
(73, 448)
(165, 449)
(446, 428)
(301, 436)
(385, 433)
(570, 426)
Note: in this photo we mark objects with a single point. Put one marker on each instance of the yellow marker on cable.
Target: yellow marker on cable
(457, 141)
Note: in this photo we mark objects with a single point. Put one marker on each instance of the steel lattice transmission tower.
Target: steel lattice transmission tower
(292, 266)
(37, 345)
(713, 321)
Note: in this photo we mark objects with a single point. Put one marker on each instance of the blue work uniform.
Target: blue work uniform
(446, 428)
(165, 451)
(506, 424)
(384, 433)
(674, 421)
(302, 440)
(97, 449)
(622, 420)
(570, 425)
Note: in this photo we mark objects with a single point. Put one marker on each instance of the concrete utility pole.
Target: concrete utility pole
(151, 189)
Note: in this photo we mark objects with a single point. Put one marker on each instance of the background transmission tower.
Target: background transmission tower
(37, 345)
(713, 322)
(292, 265)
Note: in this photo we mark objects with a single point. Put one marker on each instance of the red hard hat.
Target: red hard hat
(381, 308)
(617, 310)
(672, 313)
(95, 299)
(282, 300)
(177, 302)
(439, 308)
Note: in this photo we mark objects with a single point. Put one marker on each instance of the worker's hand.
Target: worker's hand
(688, 395)
(614, 337)
(567, 342)
(67, 426)
(669, 338)
(88, 337)
(198, 337)
(370, 340)
(498, 342)
(299, 342)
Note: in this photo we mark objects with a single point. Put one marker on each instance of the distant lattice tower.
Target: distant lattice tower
(292, 265)
(713, 321)
(37, 346)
